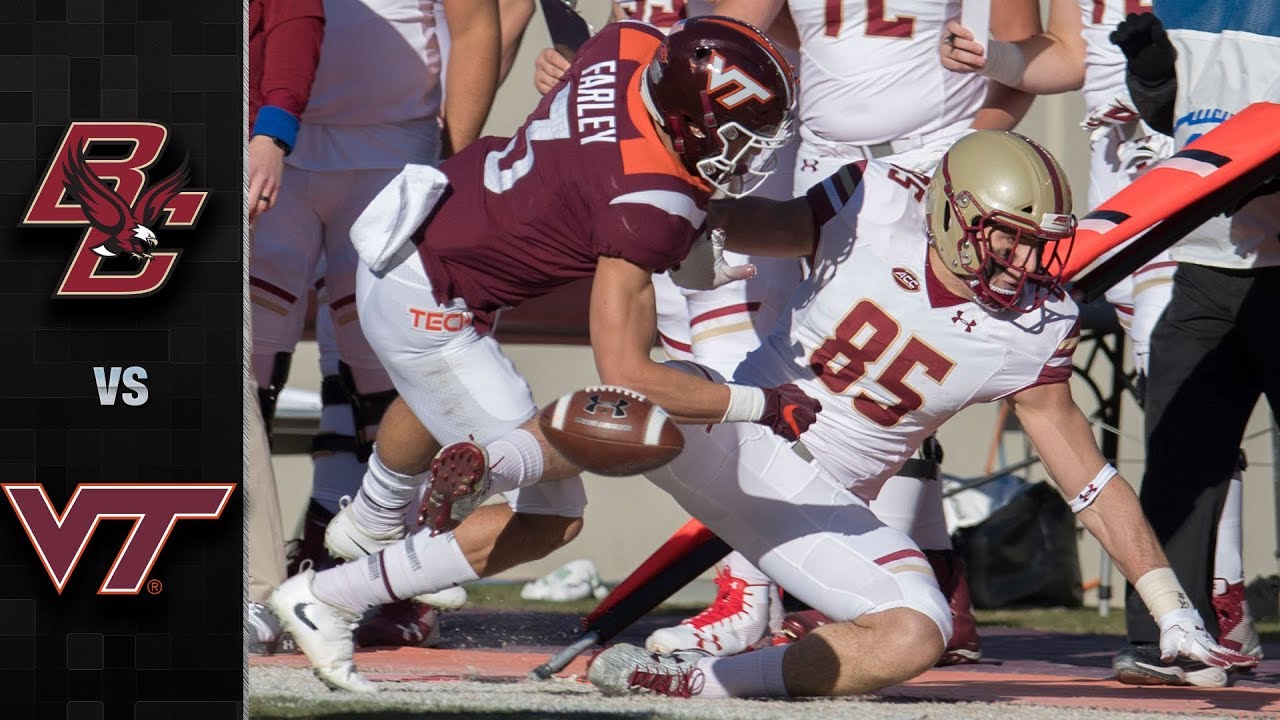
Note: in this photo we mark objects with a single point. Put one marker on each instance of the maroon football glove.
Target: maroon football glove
(788, 411)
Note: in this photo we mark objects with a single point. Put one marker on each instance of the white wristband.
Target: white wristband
(1161, 592)
(746, 404)
(1091, 491)
(1005, 63)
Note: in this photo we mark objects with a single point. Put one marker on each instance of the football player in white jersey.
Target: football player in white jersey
(870, 88)
(927, 296)
(1077, 52)
(717, 327)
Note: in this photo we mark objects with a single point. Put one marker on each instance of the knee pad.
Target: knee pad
(267, 396)
(366, 409)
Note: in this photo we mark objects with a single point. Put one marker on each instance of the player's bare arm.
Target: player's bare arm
(760, 13)
(475, 59)
(623, 325)
(759, 226)
(1043, 64)
(1005, 106)
(1065, 442)
(515, 16)
(1108, 507)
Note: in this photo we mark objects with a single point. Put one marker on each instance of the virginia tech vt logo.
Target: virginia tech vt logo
(124, 212)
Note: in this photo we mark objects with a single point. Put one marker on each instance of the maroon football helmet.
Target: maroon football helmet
(724, 93)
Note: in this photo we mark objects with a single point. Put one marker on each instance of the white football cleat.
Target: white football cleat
(741, 615)
(458, 485)
(346, 540)
(625, 669)
(322, 631)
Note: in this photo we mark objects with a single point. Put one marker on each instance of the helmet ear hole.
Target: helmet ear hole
(1027, 209)
(946, 216)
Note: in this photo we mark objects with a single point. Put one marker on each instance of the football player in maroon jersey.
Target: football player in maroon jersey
(609, 178)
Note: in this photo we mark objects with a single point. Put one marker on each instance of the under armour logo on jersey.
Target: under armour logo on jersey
(747, 86)
(809, 165)
(619, 408)
(968, 324)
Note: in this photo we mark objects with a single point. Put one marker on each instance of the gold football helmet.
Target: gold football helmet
(992, 178)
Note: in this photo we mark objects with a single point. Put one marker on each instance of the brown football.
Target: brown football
(610, 430)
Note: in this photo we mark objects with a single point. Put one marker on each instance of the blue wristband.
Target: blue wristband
(277, 123)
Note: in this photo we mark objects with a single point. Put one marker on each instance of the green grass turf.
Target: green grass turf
(506, 596)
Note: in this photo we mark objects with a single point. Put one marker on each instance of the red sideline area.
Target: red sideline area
(994, 680)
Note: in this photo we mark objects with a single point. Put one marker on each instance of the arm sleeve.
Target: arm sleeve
(829, 196)
(292, 31)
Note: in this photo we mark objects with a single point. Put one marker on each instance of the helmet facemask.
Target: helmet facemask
(745, 160)
(983, 264)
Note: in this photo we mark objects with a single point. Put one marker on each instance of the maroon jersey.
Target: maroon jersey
(585, 177)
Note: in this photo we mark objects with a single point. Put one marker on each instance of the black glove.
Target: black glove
(1146, 46)
(788, 411)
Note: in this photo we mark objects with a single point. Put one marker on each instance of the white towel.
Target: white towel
(385, 227)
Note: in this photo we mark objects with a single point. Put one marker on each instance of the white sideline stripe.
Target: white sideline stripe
(653, 426)
(1097, 225)
(1199, 167)
(562, 409)
(670, 202)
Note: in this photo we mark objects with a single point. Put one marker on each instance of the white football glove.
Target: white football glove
(1182, 633)
(705, 267)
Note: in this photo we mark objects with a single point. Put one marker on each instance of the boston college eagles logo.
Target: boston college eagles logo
(124, 212)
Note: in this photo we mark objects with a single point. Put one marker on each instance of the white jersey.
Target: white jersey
(1104, 63)
(890, 353)
(870, 71)
(1228, 58)
(377, 93)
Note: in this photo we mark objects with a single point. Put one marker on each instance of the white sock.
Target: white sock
(357, 585)
(514, 461)
(740, 567)
(1227, 563)
(384, 497)
(420, 564)
(425, 564)
(751, 674)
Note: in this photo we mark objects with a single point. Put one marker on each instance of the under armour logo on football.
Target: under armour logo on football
(619, 408)
(968, 324)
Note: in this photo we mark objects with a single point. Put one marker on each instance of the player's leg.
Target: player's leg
(725, 324)
(286, 245)
(820, 542)
(457, 383)
(1236, 630)
(1235, 621)
(1199, 396)
(911, 502)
